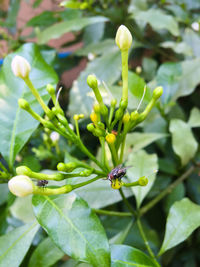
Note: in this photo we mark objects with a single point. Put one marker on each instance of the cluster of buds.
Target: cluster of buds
(110, 125)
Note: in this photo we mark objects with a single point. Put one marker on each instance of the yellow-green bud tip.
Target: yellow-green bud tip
(110, 138)
(134, 115)
(126, 118)
(20, 67)
(123, 38)
(116, 184)
(90, 127)
(23, 104)
(21, 186)
(143, 181)
(157, 92)
(23, 170)
(94, 117)
(92, 81)
(50, 89)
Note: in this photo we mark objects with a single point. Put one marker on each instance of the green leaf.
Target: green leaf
(183, 219)
(143, 164)
(179, 48)
(46, 254)
(81, 96)
(120, 237)
(58, 29)
(74, 227)
(183, 141)
(16, 125)
(100, 194)
(176, 194)
(192, 39)
(124, 256)
(158, 20)
(178, 79)
(3, 193)
(141, 140)
(22, 209)
(194, 120)
(15, 244)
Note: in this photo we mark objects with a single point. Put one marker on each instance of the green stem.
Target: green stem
(168, 190)
(127, 203)
(87, 182)
(146, 242)
(124, 55)
(3, 167)
(112, 109)
(37, 96)
(77, 128)
(104, 159)
(114, 154)
(122, 150)
(52, 191)
(131, 184)
(113, 213)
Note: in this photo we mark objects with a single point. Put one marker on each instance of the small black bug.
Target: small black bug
(117, 173)
(42, 183)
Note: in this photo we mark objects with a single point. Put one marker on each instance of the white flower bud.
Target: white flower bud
(21, 186)
(123, 38)
(20, 67)
(54, 136)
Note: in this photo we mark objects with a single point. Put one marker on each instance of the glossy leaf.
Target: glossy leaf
(194, 120)
(124, 256)
(143, 164)
(183, 219)
(46, 254)
(73, 227)
(141, 140)
(121, 236)
(158, 20)
(184, 148)
(178, 79)
(81, 96)
(58, 29)
(100, 194)
(15, 244)
(16, 125)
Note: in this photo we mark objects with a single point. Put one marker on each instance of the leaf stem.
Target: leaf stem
(168, 190)
(139, 224)
(127, 203)
(113, 213)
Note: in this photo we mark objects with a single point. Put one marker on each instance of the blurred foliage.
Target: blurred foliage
(165, 52)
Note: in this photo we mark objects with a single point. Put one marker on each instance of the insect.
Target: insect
(42, 183)
(118, 172)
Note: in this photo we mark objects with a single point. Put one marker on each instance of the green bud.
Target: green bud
(67, 167)
(119, 113)
(134, 115)
(90, 127)
(23, 170)
(123, 104)
(104, 110)
(143, 181)
(23, 104)
(157, 92)
(123, 38)
(86, 173)
(113, 102)
(98, 132)
(92, 81)
(100, 125)
(50, 89)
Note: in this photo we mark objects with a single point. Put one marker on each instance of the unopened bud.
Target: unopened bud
(157, 92)
(66, 167)
(126, 118)
(23, 104)
(20, 67)
(94, 117)
(143, 181)
(50, 89)
(123, 38)
(96, 108)
(92, 81)
(86, 173)
(54, 136)
(23, 170)
(134, 115)
(113, 102)
(116, 184)
(21, 186)
(110, 138)
(138, 70)
(90, 127)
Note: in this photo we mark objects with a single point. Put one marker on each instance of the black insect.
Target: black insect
(42, 183)
(117, 173)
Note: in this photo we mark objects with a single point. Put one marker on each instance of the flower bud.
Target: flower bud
(54, 136)
(123, 38)
(90, 127)
(81, 116)
(50, 89)
(92, 81)
(67, 167)
(126, 118)
(94, 117)
(157, 92)
(134, 115)
(143, 181)
(138, 70)
(76, 117)
(119, 113)
(23, 170)
(98, 132)
(116, 184)
(97, 108)
(21, 186)
(86, 173)
(123, 104)
(113, 102)
(110, 138)
(20, 67)
(23, 104)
